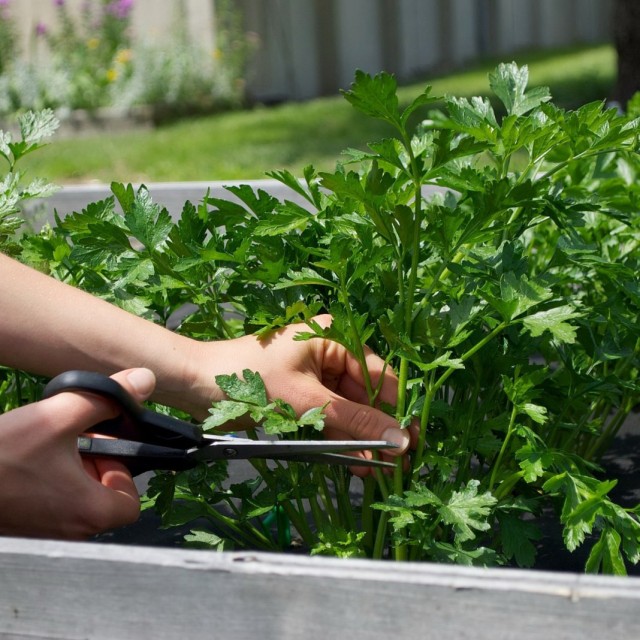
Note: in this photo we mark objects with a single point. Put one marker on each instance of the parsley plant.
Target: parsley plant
(487, 249)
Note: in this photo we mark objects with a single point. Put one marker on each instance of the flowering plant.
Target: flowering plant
(94, 59)
(93, 50)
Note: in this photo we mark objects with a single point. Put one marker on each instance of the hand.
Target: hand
(312, 373)
(47, 489)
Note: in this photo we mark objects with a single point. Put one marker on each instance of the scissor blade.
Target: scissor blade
(337, 458)
(224, 448)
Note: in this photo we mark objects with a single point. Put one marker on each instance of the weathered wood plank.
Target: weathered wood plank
(85, 590)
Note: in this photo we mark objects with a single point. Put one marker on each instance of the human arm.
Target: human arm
(47, 327)
(47, 489)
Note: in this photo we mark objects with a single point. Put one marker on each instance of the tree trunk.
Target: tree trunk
(626, 24)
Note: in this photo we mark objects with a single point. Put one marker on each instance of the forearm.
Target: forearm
(47, 327)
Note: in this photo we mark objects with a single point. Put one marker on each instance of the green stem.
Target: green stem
(424, 421)
(250, 537)
(345, 509)
(403, 377)
(297, 519)
(369, 486)
(408, 302)
(381, 535)
(507, 484)
(327, 501)
(358, 346)
(318, 515)
(602, 442)
(503, 448)
(465, 356)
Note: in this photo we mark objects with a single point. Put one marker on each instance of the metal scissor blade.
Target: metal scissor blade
(337, 458)
(228, 448)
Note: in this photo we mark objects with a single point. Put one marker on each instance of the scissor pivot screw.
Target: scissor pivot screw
(230, 453)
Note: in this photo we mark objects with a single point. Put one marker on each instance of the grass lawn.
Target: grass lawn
(246, 144)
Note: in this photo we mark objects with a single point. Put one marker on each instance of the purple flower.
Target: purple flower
(4, 3)
(58, 3)
(41, 29)
(120, 8)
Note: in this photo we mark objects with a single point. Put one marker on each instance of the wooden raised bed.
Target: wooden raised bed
(112, 592)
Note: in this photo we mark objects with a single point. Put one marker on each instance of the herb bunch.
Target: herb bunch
(487, 250)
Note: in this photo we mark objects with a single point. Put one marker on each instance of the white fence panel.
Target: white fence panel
(312, 47)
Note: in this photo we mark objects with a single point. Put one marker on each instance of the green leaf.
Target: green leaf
(467, 511)
(536, 412)
(424, 99)
(36, 126)
(149, 223)
(518, 294)
(204, 539)
(534, 461)
(304, 277)
(517, 537)
(605, 554)
(5, 144)
(555, 321)
(285, 218)
(584, 500)
(274, 423)
(509, 83)
(288, 179)
(474, 117)
(375, 96)
(251, 389)
(445, 360)
(313, 418)
(340, 543)
(224, 412)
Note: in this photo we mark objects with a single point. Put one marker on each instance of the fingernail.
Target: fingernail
(398, 437)
(142, 380)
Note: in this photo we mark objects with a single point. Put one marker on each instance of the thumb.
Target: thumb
(139, 382)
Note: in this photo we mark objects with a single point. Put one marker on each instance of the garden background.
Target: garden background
(269, 71)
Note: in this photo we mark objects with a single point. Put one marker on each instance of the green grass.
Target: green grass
(246, 144)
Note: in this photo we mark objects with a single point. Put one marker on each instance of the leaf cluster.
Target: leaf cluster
(488, 253)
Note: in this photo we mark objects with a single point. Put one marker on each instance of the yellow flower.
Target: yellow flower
(217, 54)
(112, 75)
(93, 43)
(123, 56)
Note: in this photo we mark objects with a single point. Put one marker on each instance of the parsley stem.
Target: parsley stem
(507, 484)
(505, 443)
(424, 421)
(297, 519)
(465, 356)
(358, 347)
(341, 480)
(369, 490)
(381, 535)
(325, 495)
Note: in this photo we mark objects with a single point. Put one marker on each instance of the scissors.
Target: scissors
(144, 440)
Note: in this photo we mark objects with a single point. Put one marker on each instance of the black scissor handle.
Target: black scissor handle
(138, 457)
(135, 422)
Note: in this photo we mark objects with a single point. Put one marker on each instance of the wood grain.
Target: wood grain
(87, 590)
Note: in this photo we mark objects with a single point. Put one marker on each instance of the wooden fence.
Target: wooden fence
(306, 48)
(312, 47)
